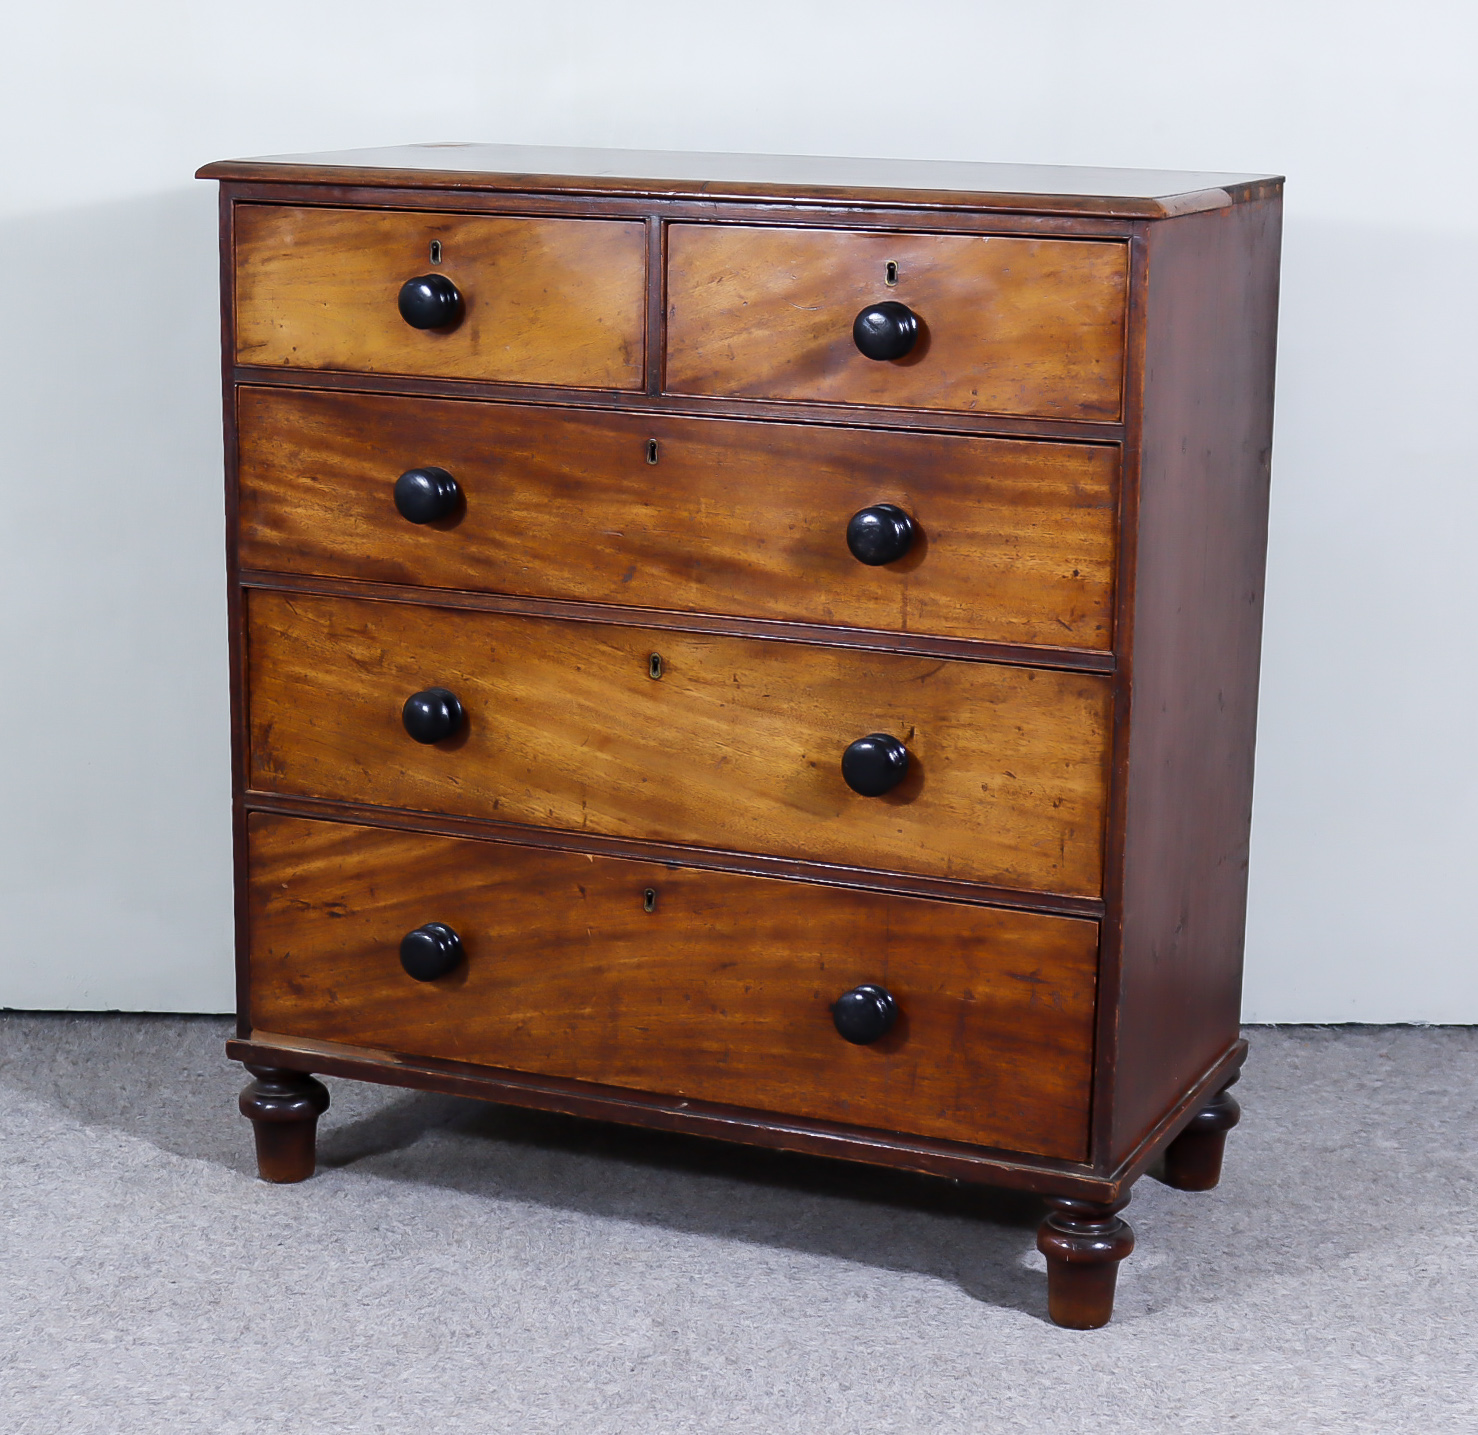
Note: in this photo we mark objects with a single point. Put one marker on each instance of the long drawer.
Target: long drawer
(1008, 325)
(543, 301)
(698, 984)
(1013, 541)
(721, 742)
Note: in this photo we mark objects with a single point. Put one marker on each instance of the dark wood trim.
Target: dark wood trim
(458, 183)
(236, 649)
(941, 421)
(949, 1159)
(716, 859)
(959, 219)
(656, 327)
(1111, 933)
(666, 1113)
(816, 634)
(659, 300)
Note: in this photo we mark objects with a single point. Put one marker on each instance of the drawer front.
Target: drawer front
(736, 746)
(1014, 540)
(722, 992)
(545, 301)
(1009, 325)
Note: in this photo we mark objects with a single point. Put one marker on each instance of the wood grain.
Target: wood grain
(1016, 538)
(721, 993)
(1012, 325)
(547, 301)
(738, 745)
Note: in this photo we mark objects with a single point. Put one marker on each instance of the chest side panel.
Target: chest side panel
(1196, 640)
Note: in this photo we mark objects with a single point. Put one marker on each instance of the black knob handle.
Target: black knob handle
(880, 534)
(886, 331)
(430, 301)
(432, 715)
(874, 764)
(424, 495)
(864, 1014)
(430, 951)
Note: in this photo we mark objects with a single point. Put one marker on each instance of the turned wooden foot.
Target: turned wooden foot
(1084, 1241)
(1192, 1162)
(284, 1107)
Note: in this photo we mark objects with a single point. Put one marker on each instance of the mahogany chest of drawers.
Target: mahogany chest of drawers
(756, 647)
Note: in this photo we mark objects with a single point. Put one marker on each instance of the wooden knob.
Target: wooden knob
(865, 1014)
(886, 331)
(431, 951)
(880, 534)
(432, 715)
(430, 301)
(874, 764)
(425, 495)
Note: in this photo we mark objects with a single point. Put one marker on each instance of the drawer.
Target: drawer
(545, 301)
(737, 745)
(1009, 325)
(1014, 540)
(722, 992)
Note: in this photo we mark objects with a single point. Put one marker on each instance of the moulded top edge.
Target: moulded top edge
(1052, 189)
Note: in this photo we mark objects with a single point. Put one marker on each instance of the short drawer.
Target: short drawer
(544, 301)
(1013, 541)
(1009, 325)
(737, 745)
(720, 992)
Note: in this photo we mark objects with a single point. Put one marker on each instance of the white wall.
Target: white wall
(114, 877)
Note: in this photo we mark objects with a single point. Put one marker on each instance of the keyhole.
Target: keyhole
(651, 450)
(890, 273)
(654, 666)
(436, 251)
(649, 900)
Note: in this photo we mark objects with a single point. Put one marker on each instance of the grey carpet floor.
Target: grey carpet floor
(462, 1268)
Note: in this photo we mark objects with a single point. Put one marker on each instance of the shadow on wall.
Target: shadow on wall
(114, 740)
(1367, 772)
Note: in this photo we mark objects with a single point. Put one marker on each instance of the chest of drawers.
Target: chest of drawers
(755, 647)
